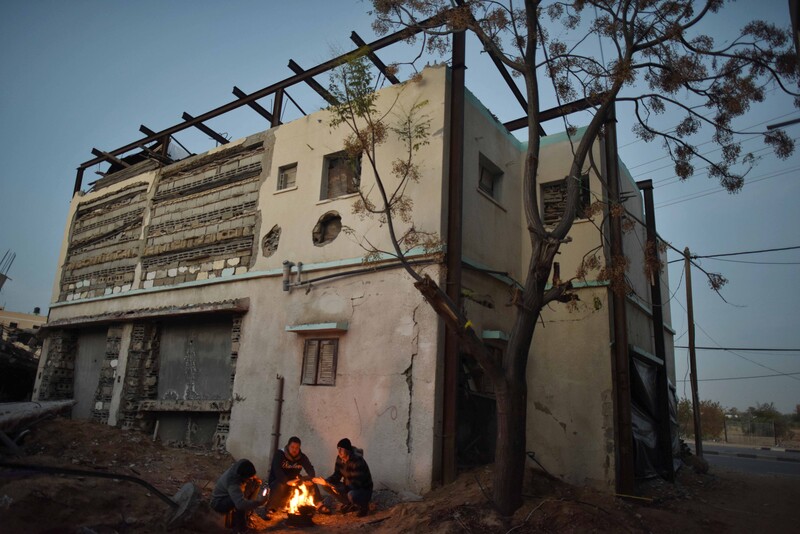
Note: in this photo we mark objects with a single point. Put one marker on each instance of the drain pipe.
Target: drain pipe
(276, 426)
(287, 274)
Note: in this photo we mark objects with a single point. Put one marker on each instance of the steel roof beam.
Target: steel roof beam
(374, 58)
(205, 129)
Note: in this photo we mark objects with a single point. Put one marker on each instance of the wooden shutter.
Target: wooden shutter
(310, 362)
(327, 362)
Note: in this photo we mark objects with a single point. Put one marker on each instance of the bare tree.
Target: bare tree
(660, 64)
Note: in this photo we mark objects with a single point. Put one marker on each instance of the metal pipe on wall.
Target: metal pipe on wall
(276, 425)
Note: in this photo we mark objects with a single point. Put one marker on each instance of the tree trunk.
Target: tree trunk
(512, 403)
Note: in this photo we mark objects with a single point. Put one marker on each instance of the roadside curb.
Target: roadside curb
(753, 456)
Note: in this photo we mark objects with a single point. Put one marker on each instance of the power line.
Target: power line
(746, 252)
(740, 377)
(760, 262)
(738, 348)
(714, 190)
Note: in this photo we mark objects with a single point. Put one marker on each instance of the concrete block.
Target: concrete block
(241, 270)
(148, 284)
(172, 272)
(108, 291)
(211, 275)
(161, 274)
(228, 271)
(202, 275)
(151, 275)
(219, 264)
(117, 289)
(182, 269)
(233, 262)
(126, 287)
(194, 268)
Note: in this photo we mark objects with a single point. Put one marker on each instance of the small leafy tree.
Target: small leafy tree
(660, 64)
(712, 414)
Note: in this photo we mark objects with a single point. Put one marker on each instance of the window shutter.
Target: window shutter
(310, 362)
(327, 362)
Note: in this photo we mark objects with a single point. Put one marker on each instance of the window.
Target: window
(319, 362)
(490, 178)
(287, 176)
(554, 200)
(342, 176)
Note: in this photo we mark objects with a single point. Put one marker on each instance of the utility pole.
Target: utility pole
(698, 435)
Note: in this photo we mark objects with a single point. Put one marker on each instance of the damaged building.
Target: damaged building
(220, 300)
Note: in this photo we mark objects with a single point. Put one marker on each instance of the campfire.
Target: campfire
(301, 507)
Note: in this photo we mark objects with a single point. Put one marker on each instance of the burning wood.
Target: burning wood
(301, 507)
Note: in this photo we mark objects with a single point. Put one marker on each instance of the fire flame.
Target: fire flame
(300, 497)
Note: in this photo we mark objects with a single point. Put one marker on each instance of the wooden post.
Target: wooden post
(698, 435)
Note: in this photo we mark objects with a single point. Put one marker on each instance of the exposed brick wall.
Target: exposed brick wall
(58, 374)
(204, 220)
(104, 244)
(141, 374)
(108, 372)
(220, 438)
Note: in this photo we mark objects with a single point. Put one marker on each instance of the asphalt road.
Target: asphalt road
(753, 460)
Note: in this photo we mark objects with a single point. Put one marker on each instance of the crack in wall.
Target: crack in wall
(409, 375)
(542, 408)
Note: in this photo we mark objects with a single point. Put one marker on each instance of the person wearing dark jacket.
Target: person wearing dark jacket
(237, 491)
(287, 463)
(351, 481)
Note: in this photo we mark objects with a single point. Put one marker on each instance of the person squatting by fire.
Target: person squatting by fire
(238, 492)
(284, 477)
(351, 481)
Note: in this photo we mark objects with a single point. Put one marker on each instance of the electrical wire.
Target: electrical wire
(739, 348)
(737, 378)
(714, 190)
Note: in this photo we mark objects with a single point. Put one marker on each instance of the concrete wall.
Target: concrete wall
(196, 243)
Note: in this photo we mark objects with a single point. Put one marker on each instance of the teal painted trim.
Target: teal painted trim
(584, 285)
(503, 278)
(494, 334)
(561, 137)
(319, 327)
(483, 110)
(643, 354)
(307, 267)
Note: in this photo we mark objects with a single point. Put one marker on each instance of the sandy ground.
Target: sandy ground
(720, 501)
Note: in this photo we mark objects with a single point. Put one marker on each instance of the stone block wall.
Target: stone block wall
(104, 244)
(58, 374)
(224, 424)
(108, 372)
(204, 219)
(141, 374)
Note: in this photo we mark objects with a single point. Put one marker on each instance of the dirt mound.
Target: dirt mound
(717, 502)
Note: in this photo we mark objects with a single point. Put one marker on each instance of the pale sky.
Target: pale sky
(86, 73)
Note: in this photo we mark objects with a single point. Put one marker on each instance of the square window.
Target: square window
(287, 176)
(554, 200)
(319, 362)
(490, 178)
(342, 175)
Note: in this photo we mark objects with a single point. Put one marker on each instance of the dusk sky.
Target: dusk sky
(86, 73)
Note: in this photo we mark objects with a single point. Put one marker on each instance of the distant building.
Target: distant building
(23, 321)
(183, 290)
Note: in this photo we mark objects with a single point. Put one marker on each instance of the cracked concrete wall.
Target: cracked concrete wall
(386, 378)
(570, 404)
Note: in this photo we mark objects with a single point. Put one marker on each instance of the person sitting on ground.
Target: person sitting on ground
(237, 491)
(284, 476)
(351, 481)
